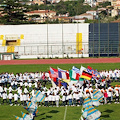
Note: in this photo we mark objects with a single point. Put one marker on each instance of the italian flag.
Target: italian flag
(73, 75)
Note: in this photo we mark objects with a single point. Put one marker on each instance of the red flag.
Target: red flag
(89, 67)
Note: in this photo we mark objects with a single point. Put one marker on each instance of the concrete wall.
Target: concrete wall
(47, 39)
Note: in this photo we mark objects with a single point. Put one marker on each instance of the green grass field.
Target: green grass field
(43, 67)
(109, 112)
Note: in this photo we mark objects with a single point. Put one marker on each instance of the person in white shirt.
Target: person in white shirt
(4, 96)
(33, 92)
(118, 76)
(74, 99)
(50, 99)
(5, 89)
(10, 96)
(36, 85)
(28, 97)
(21, 84)
(109, 91)
(19, 90)
(12, 83)
(30, 86)
(70, 99)
(25, 90)
(26, 84)
(48, 92)
(1, 89)
(16, 84)
(63, 99)
(53, 99)
(10, 89)
(21, 99)
(57, 98)
(81, 97)
(24, 98)
(55, 91)
(46, 100)
(116, 90)
(15, 99)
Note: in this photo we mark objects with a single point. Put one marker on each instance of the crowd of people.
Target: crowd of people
(17, 89)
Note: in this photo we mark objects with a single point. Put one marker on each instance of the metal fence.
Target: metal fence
(104, 39)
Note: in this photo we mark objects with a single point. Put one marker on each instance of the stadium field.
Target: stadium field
(45, 67)
(108, 111)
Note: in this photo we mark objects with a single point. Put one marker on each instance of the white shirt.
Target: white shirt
(35, 84)
(19, 91)
(25, 90)
(4, 95)
(63, 98)
(57, 97)
(80, 94)
(10, 96)
(21, 84)
(16, 82)
(50, 97)
(30, 84)
(24, 97)
(10, 89)
(1, 89)
(26, 84)
(46, 98)
(33, 93)
(5, 89)
(69, 96)
(53, 98)
(15, 97)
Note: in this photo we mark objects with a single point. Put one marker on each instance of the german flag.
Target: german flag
(86, 75)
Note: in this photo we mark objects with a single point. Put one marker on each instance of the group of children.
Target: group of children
(23, 86)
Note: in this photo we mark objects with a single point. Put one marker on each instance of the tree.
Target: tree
(13, 12)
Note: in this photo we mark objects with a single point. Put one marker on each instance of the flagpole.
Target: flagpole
(65, 112)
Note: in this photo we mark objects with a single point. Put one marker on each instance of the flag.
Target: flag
(87, 101)
(66, 80)
(53, 73)
(31, 110)
(81, 69)
(77, 70)
(26, 116)
(95, 73)
(64, 84)
(95, 101)
(39, 96)
(18, 118)
(31, 107)
(86, 75)
(53, 84)
(98, 95)
(73, 75)
(63, 74)
(90, 113)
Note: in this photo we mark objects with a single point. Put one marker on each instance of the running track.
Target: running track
(60, 61)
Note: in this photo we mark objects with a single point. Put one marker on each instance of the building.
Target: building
(39, 2)
(44, 14)
(92, 12)
(114, 12)
(81, 20)
(85, 15)
(92, 3)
